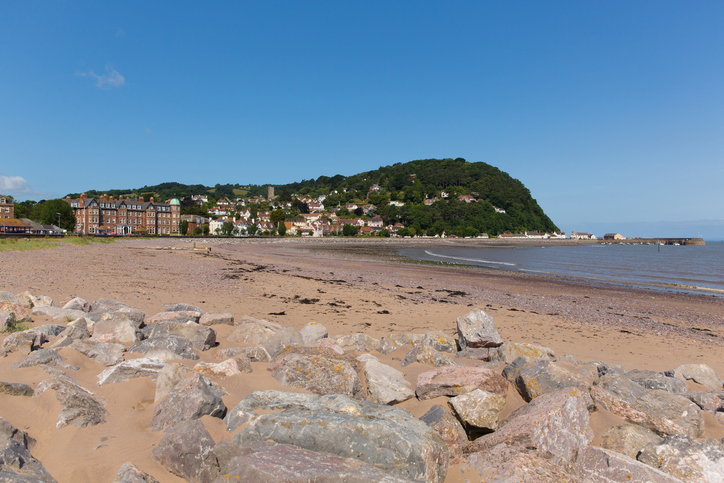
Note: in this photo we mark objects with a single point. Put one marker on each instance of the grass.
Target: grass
(26, 244)
(17, 327)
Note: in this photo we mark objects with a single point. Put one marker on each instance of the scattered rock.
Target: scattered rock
(184, 308)
(628, 439)
(454, 381)
(388, 437)
(657, 380)
(190, 399)
(486, 354)
(129, 473)
(7, 320)
(711, 401)
(180, 346)
(16, 462)
(476, 329)
(598, 464)
(175, 316)
(509, 351)
(78, 304)
(58, 314)
(544, 377)
(31, 300)
(516, 467)
(43, 356)
(185, 451)
(134, 316)
(385, 384)
(127, 370)
(427, 355)
(320, 371)
(81, 407)
(605, 369)
(105, 353)
(690, 461)
(267, 462)
(108, 305)
(440, 342)
(202, 338)
(256, 354)
(448, 427)
(478, 409)
(15, 389)
(76, 330)
(326, 343)
(230, 352)
(700, 373)
(117, 331)
(313, 332)
(217, 319)
(554, 425)
(229, 367)
(25, 341)
(662, 412)
(357, 342)
(390, 343)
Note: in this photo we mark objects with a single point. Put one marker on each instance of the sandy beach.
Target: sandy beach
(349, 287)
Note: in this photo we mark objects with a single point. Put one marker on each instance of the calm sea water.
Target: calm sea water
(680, 268)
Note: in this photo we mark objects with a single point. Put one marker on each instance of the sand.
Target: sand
(348, 287)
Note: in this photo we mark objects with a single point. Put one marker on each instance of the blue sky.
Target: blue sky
(609, 112)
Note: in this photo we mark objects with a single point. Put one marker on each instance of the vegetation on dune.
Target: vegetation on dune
(25, 244)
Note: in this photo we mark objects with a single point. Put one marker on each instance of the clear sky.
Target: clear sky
(609, 112)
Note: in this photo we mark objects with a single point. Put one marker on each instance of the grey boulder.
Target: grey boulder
(689, 460)
(190, 399)
(132, 369)
(476, 329)
(80, 407)
(186, 451)
(16, 462)
(385, 384)
(202, 338)
(606, 466)
(628, 439)
(105, 353)
(130, 473)
(180, 346)
(699, 373)
(448, 427)
(388, 437)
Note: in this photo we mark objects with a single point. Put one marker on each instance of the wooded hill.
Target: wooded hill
(410, 183)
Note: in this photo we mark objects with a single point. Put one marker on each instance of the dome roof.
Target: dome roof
(175, 202)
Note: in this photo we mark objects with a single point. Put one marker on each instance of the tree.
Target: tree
(282, 229)
(277, 216)
(205, 229)
(349, 230)
(183, 227)
(47, 212)
(227, 228)
(385, 233)
(198, 230)
(252, 229)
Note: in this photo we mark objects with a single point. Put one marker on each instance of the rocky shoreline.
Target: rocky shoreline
(332, 407)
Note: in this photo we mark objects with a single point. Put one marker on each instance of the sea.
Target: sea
(692, 269)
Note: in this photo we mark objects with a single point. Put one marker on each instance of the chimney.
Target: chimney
(151, 199)
(120, 197)
(140, 199)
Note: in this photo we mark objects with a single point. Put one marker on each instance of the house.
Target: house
(7, 207)
(498, 210)
(106, 215)
(535, 234)
(398, 204)
(613, 236)
(512, 235)
(13, 225)
(38, 229)
(351, 206)
(194, 221)
(582, 236)
(375, 187)
(467, 198)
(430, 201)
(375, 222)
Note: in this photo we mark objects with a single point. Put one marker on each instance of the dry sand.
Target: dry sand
(348, 287)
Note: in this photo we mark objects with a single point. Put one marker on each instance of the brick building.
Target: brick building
(109, 216)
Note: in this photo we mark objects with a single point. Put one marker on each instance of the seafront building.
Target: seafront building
(109, 216)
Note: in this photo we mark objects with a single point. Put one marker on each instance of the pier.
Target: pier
(657, 241)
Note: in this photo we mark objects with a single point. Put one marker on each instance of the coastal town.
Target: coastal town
(241, 217)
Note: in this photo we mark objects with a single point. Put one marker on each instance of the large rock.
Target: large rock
(180, 346)
(313, 332)
(184, 308)
(357, 342)
(657, 380)
(509, 351)
(448, 427)
(7, 320)
(439, 341)
(700, 373)
(59, 315)
(478, 409)
(273, 337)
(181, 317)
(267, 462)
(130, 473)
(44, 356)
(12, 307)
(509, 465)
(544, 377)
(711, 401)
(76, 330)
(25, 341)
(16, 462)
(230, 367)
(385, 384)
(476, 329)
(78, 303)
(202, 338)
(690, 461)
(108, 305)
(15, 389)
(127, 370)
(662, 412)
(601, 465)
(554, 425)
(188, 400)
(81, 407)
(217, 319)
(454, 381)
(390, 343)
(186, 451)
(134, 316)
(117, 331)
(319, 371)
(105, 353)
(628, 439)
(424, 354)
(388, 437)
